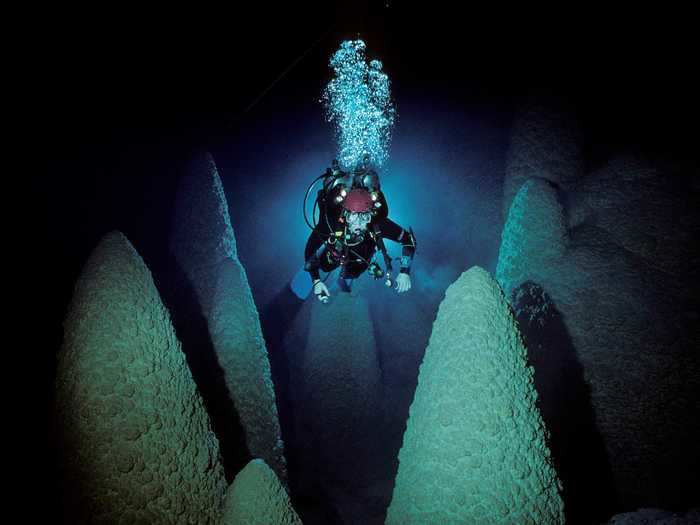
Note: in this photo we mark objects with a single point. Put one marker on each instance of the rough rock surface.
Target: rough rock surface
(545, 143)
(564, 401)
(204, 247)
(337, 391)
(402, 326)
(626, 287)
(535, 236)
(637, 204)
(256, 497)
(475, 446)
(137, 446)
(656, 517)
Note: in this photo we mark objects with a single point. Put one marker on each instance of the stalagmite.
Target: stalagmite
(337, 390)
(475, 445)
(204, 247)
(136, 443)
(256, 497)
(534, 236)
(621, 272)
(545, 143)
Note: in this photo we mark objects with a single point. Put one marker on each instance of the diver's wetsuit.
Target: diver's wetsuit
(326, 247)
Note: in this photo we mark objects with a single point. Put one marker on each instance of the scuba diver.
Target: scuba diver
(353, 223)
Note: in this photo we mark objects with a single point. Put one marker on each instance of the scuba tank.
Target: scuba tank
(331, 201)
(337, 184)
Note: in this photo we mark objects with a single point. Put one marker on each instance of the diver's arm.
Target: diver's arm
(312, 262)
(390, 230)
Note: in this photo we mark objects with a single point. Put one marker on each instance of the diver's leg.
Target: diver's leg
(345, 284)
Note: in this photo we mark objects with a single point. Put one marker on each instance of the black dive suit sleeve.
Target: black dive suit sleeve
(390, 230)
(317, 238)
(312, 261)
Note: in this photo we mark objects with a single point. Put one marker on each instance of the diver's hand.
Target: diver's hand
(403, 282)
(321, 291)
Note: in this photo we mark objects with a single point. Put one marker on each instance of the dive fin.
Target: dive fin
(301, 284)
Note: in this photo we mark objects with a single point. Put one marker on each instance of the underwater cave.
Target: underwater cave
(541, 367)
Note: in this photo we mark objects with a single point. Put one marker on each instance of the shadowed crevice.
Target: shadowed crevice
(275, 320)
(564, 400)
(193, 332)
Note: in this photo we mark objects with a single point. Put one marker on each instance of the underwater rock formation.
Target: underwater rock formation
(534, 237)
(136, 443)
(637, 205)
(475, 445)
(204, 246)
(402, 329)
(337, 391)
(256, 497)
(656, 517)
(545, 143)
(626, 287)
(563, 399)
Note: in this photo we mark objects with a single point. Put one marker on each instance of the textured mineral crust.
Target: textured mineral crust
(337, 390)
(204, 247)
(545, 143)
(256, 497)
(656, 517)
(475, 446)
(136, 442)
(535, 231)
(614, 254)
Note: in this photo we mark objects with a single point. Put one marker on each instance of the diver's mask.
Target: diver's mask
(357, 221)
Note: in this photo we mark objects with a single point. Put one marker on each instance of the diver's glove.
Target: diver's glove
(321, 290)
(403, 282)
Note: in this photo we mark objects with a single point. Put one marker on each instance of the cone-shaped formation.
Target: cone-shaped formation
(545, 143)
(626, 290)
(656, 517)
(137, 446)
(633, 202)
(235, 331)
(474, 449)
(256, 497)
(340, 364)
(336, 385)
(534, 236)
(202, 236)
(204, 246)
